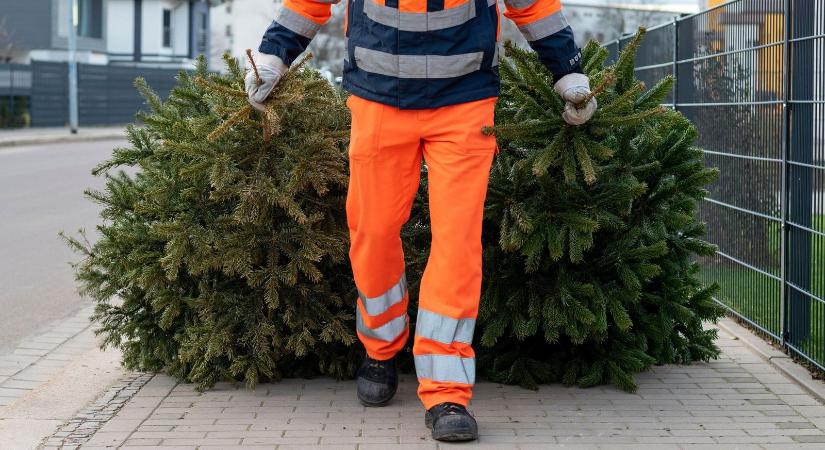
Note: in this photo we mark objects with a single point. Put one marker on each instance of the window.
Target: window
(167, 27)
(203, 34)
(88, 17)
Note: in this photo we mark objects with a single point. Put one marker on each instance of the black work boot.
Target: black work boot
(377, 381)
(451, 422)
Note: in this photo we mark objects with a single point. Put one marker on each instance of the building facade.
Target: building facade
(240, 24)
(605, 20)
(162, 33)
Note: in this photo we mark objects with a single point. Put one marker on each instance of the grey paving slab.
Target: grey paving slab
(37, 359)
(738, 401)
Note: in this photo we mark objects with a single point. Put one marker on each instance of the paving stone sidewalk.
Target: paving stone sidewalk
(36, 359)
(738, 401)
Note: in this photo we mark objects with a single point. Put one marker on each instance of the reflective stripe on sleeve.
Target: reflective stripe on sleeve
(446, 368)
(377, 305)
(444, 329)
(417, 66)
(387, 332)
(542, 28)
(297, 23)
(519, 4)
(433, 20)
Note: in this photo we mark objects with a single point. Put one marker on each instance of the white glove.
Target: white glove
(574, 89)
(271, 69)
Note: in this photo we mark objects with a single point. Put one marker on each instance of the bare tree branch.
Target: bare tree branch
(7, 44)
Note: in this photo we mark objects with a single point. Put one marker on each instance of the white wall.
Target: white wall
(180, 29)
(120, 26)
(83, 57)
(247, 21)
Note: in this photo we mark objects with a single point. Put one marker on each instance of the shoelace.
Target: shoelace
(376, 368)
(452, 408)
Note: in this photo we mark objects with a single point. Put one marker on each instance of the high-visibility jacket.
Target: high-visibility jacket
(420, 54)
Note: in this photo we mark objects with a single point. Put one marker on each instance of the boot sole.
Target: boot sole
(373, 404)
(455, 436)
(452, 436)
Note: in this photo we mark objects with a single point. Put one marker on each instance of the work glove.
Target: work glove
(574, 89)
(271, 69)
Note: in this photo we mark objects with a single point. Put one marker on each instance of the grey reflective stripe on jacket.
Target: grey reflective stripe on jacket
(443, 329)
(297, 23)
(387, 332)
(428, 21)
(378, 305)
(518, 4)
(542, 28)
(446, 368)
(417, 66)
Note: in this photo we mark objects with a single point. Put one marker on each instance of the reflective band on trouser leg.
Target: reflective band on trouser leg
(388, 332)
(444, 377)
(458, 159)
(375, 306)
(381, 321)
(446, 368)
(384, 341)
(435, 327)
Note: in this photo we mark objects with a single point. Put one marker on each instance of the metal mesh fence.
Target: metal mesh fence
(750, 75)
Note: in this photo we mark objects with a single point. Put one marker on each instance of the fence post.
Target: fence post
(783, 199)
(800, 173)
(675, 63)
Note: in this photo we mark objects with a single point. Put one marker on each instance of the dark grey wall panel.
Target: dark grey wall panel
(50, 87)
(29, 22)
(106, 94)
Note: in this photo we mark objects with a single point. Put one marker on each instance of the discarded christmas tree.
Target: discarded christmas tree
(590, 232)
(224, 255)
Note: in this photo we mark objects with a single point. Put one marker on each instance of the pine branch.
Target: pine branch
(254, 66)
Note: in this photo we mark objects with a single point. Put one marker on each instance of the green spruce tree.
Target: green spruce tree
(223, 249)
(590, 232)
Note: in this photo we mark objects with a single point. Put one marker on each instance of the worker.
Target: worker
(424, 82)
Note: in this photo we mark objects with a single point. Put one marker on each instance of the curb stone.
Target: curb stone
(6, 143)
(776, 358)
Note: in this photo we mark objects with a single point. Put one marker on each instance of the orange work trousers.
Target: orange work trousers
(386, 149)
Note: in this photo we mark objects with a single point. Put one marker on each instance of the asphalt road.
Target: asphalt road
(41, 194)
